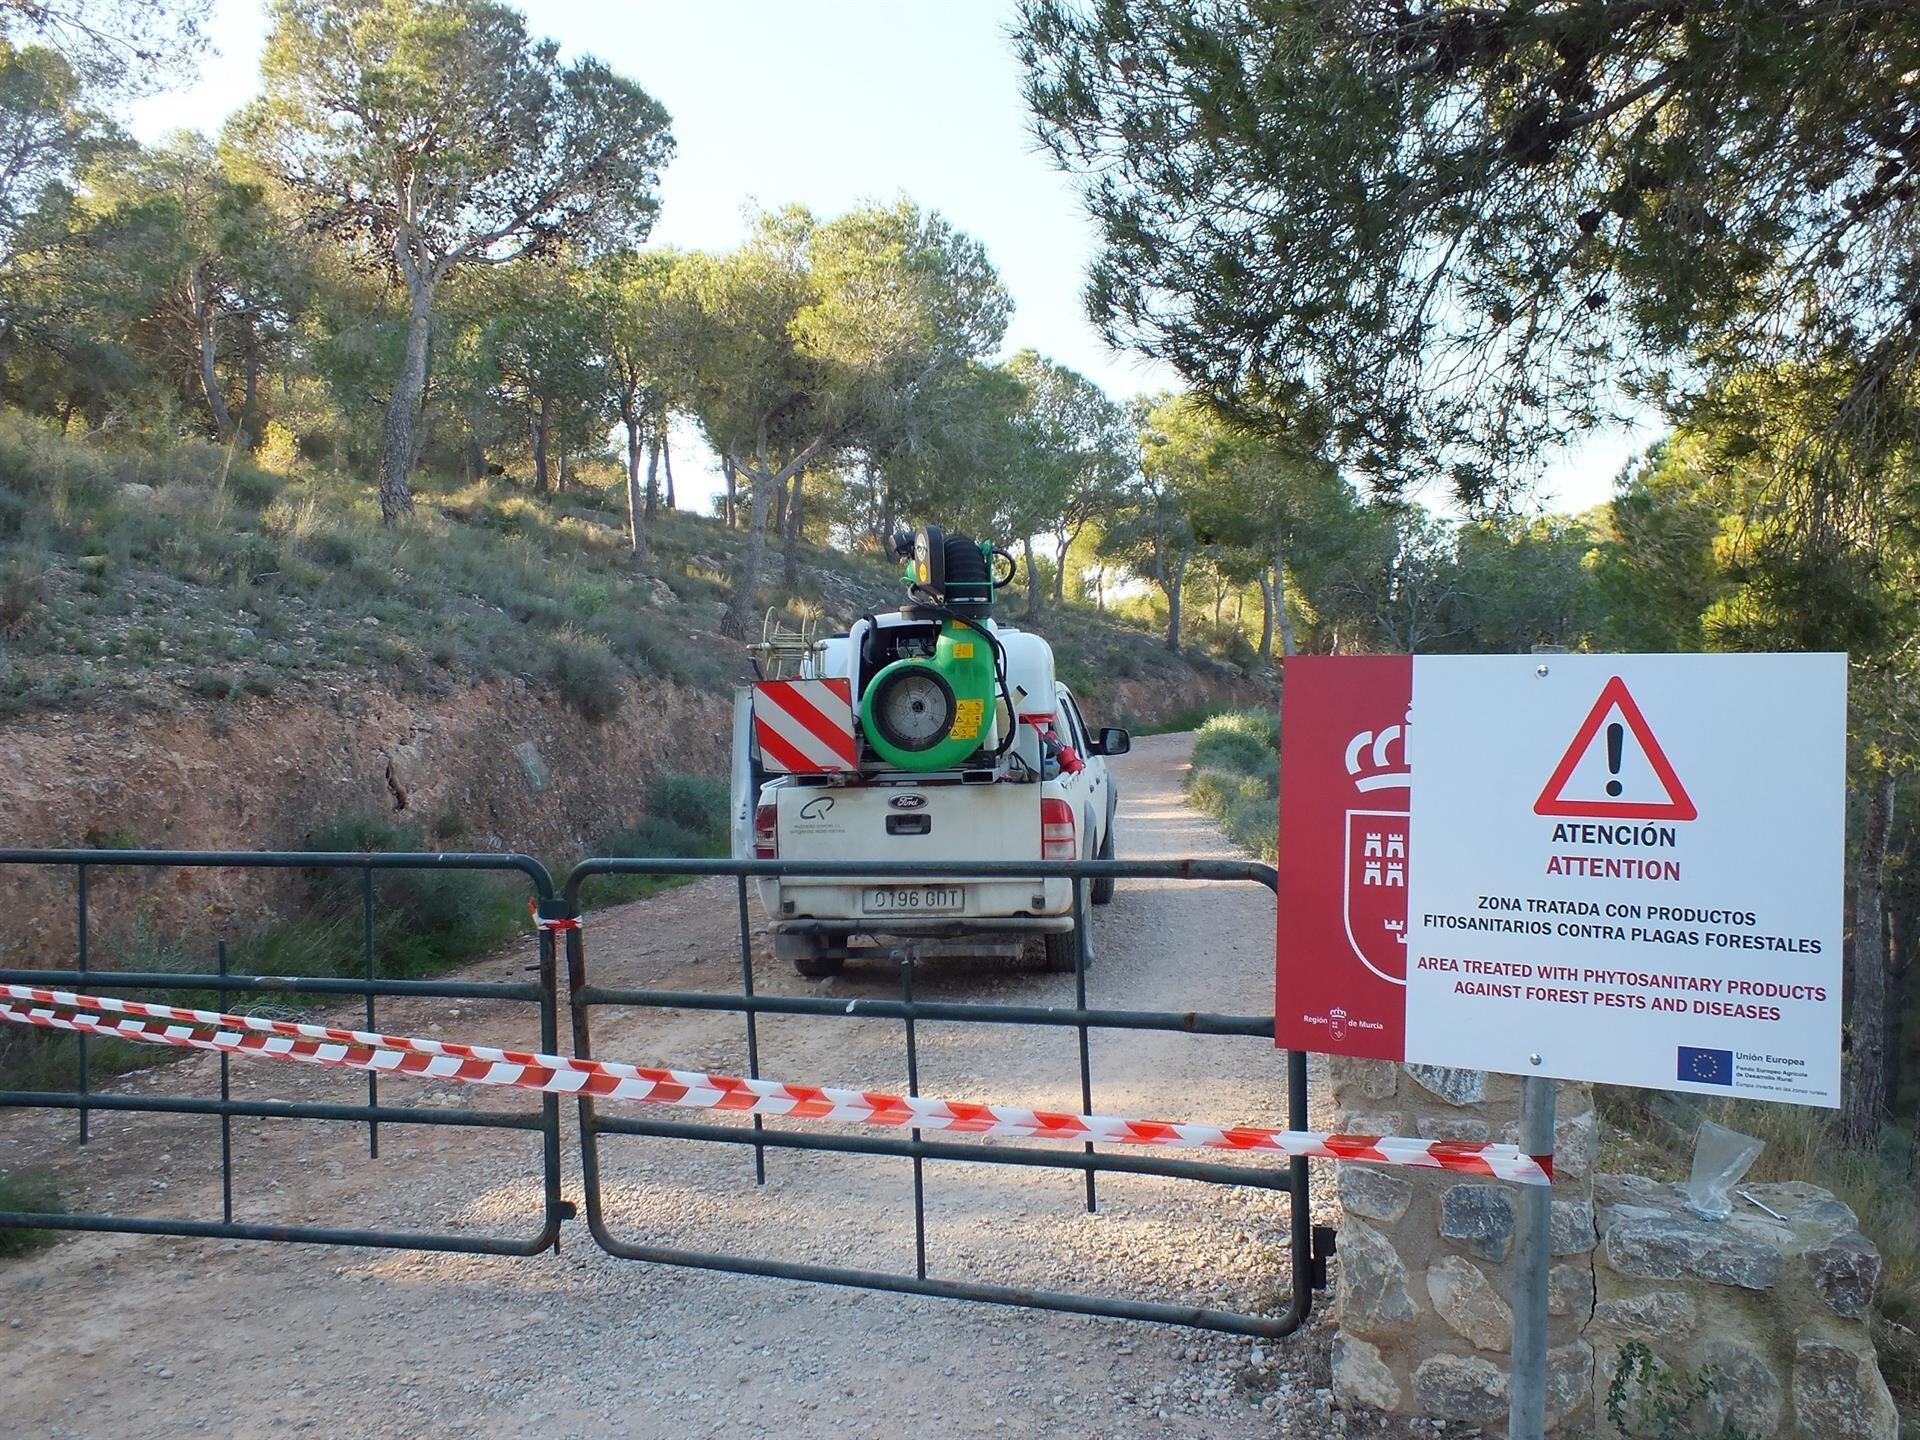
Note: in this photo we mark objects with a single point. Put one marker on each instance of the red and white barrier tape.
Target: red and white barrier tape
(540, 922)
(613, 1080)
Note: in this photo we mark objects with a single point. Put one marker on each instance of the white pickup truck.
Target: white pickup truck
(1036, 786)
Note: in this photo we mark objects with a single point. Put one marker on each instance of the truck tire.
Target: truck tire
(804, 950)
(818, 967)
(1101, 890)
(1059, 948)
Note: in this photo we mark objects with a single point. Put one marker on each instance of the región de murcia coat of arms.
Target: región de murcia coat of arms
(1376, 856)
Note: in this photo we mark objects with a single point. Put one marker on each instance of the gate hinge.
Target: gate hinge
(1326, 1243)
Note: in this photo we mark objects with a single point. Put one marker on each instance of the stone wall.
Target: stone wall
(1426, 1258)
(1775, 1306)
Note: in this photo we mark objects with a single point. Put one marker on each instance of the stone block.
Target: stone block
(1745, 1391)
(1573, 1232)
(1461, 1387)
(1361, 1377)
(1656, 1315)
(1656, 1245)
(1802, 1203)
(1838, 1394)
(528, 754)
(1369, 1122)
(1576, 1143)
(1455, 1086)
(1569, 1381)
(1452, 1127)
(1463, 1297)
(1373, 1283)
(1372, 1079)
(1844, 1272)
(1479, 1217)
(1570, 1289)
(1374, 1193)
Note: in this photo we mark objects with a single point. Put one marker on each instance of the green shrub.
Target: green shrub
(279, 449)
(30, 1193)
(584, 672)
(1647, 1400)
(688, 819)
(23, 590)
(425, 921)
(697, 804)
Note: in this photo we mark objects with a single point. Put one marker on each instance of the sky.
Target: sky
(829, 105)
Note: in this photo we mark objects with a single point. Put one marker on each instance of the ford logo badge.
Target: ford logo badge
(908, 802)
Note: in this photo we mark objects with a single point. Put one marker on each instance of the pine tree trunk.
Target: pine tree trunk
(209, 377)
(653, 476)
(666, 462)
(1033, 584)
(1171, 585)
(1266, 616)
(790, 567)
(733, 499)
(636, 511)
(1867, 1071)
(1060, 571)
(746, 585)
(250, 395)
(541, 479)
(1284, 620)
(403, 408)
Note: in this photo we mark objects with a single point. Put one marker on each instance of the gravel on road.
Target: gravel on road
(142, 1337)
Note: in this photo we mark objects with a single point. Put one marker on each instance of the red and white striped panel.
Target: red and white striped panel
(805, 726)
(613, 1080)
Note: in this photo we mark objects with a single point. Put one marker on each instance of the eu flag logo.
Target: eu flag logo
(1705, 1067)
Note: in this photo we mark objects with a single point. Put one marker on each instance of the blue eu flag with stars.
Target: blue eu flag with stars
(1705, 1067)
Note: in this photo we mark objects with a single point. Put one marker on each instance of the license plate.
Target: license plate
(914, 900)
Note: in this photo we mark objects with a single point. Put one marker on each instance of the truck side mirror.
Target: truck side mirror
(1113, 741)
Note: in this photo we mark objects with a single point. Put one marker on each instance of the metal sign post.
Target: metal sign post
(1527, 1390)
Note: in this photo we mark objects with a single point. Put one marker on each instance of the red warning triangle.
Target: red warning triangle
(1677, 806)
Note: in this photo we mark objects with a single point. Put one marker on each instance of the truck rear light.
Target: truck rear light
(1056, 831)
(766, 832)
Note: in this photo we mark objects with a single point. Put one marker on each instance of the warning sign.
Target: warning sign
(1613, 868)
(1681, 931)
(1615, 767)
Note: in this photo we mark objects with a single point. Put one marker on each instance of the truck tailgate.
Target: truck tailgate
(894, 823)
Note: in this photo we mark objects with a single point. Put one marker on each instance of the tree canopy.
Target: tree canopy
(1453, 235)
(438, 134)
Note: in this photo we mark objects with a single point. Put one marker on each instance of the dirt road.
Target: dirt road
(138, 1337)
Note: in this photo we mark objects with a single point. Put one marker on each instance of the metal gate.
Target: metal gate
(558, 911)
(81, 869)
(1307, 1246)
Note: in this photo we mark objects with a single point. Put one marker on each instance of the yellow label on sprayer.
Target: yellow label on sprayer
(963, 650)
(966, 719)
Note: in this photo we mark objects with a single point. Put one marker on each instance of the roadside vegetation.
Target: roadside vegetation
(1235, 777)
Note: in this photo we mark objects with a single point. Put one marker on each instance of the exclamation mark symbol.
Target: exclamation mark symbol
(1616, 739)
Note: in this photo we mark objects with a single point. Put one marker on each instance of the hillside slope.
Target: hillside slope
(154, 583)
(203, 654)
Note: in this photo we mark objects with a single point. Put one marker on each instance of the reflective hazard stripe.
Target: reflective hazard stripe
(805, 725)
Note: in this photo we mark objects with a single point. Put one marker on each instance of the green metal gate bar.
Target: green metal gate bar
(1308, 1246)
(85, 1100)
